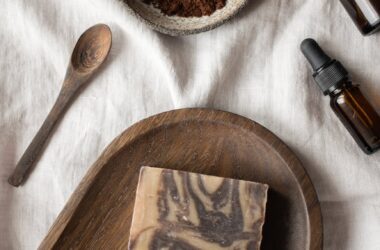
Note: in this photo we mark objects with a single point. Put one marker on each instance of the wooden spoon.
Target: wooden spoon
(89, 53)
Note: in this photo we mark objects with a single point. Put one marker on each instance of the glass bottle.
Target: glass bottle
(365, 14)
(347, 101)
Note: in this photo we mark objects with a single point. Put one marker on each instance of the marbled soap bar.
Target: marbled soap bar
(177, 210)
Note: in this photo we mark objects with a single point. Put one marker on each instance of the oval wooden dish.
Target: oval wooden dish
(179, 26)
(98, 214)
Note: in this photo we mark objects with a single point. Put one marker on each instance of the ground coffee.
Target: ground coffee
(187, 8)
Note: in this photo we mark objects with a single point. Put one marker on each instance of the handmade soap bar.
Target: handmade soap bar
(181, 210)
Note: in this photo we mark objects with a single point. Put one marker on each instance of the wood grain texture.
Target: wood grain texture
(89, 53)
(98, 214)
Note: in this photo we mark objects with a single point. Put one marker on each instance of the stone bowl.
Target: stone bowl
(179, 26)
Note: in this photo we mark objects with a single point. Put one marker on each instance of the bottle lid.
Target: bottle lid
(328, 73)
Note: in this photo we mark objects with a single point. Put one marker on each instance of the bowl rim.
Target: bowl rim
(179, 32)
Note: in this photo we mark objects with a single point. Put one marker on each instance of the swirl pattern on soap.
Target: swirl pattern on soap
(179, 210)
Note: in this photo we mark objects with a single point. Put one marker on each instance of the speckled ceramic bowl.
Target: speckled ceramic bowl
(178, 26)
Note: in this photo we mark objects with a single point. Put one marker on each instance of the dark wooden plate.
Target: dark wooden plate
(98, 214)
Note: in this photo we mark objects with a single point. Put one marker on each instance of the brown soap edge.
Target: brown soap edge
(264, 217)
(131, 240)
(208, 175)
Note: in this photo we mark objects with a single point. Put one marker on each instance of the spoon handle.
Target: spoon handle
(36, 147)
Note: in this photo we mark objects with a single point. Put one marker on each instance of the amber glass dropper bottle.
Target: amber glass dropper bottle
(347, 101)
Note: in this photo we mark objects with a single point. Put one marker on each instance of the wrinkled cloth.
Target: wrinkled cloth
(251, 66)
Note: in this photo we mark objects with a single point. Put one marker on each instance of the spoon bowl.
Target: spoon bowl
(91, 49)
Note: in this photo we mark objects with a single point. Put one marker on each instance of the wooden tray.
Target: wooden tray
(98, 214)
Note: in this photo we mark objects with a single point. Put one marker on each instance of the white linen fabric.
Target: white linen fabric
(251, 66)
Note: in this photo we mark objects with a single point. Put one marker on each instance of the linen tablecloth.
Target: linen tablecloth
(251, 66)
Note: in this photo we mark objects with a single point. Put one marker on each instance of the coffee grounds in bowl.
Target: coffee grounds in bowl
(187, 8)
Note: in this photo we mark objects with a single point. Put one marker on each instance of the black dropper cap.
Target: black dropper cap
(328, 73)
